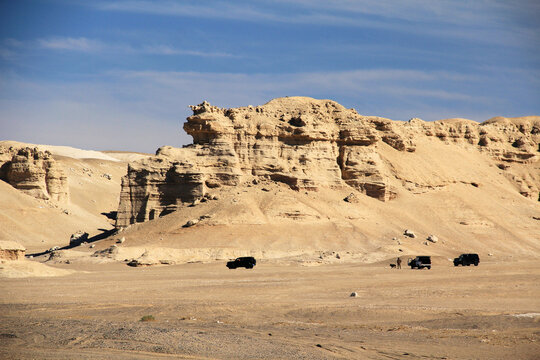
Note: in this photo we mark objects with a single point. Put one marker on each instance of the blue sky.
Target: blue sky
(120, 74)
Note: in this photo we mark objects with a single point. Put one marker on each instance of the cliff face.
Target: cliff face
(35, 173)
(309, 144)
(10, 250)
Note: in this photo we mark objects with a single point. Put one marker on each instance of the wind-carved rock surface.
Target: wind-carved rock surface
(506, 139)
(307, 144)
(35, 173)
(510, 141)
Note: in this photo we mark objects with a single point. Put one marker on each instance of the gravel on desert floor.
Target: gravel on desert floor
(278, 310)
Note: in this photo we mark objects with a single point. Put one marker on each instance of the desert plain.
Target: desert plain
(278, 310)
(324, 198)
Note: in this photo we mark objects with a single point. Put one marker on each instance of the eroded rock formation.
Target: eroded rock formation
(307, 144)
(34, 172)
(10, 250)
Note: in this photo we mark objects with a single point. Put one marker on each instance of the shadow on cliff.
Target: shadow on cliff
(105, 233)
(111, 215)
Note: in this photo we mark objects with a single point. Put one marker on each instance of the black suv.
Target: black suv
(467, 260)
(247, 261)
(420, 262)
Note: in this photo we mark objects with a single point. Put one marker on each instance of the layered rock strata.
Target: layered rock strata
(35, 173)
(10, 250)
(306, 144)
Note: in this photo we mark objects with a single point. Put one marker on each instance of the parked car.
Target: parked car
(467, 260)
(420, 262)
(247, 262)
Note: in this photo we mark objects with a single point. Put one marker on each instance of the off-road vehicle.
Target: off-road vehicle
(247, 261)
(467, 260)
(420, 262)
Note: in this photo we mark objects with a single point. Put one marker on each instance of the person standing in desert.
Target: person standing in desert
(398, 263)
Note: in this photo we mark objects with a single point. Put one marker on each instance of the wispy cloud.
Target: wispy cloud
(215, 9)
(454, 11)
(168, 50)
(86, 45)
(458, 12)
(115, 108)
(72, 44)
(484, 21)
(380, 81)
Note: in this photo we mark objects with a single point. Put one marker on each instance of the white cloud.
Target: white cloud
(168, 50)
(441, 11)
(484, 21)
(216, 9)
(309, 10)
(71, 44)
(339, 83)
(97, 46)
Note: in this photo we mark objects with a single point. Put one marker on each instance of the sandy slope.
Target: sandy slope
(25, 269)
(62, 150)
(39, 225)
(456, 193)
(126, 156)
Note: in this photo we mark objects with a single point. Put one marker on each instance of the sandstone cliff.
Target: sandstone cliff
(82, 187)
(34, 172)
(311, 144)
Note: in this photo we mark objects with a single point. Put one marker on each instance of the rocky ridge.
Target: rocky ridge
(34, 172)
(310, 144)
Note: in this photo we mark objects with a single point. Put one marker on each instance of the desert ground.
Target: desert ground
(278, 310)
